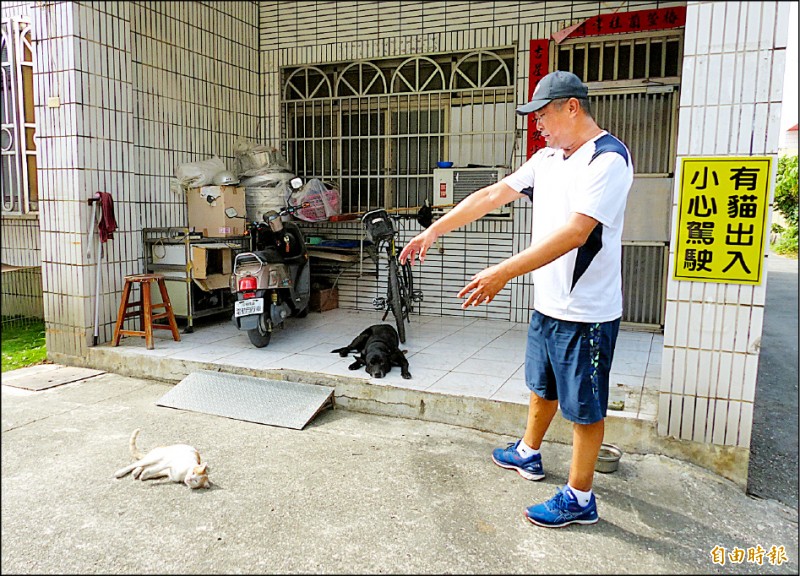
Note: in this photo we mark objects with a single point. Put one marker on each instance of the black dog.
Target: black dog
(379, 348)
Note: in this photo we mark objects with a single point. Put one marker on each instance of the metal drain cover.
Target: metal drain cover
(271, 402)
(44, 376)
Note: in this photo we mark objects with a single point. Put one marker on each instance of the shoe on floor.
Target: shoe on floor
(508, 457)
(561, 510)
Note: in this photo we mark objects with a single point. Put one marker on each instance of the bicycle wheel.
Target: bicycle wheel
(396, 299)
(407, 280)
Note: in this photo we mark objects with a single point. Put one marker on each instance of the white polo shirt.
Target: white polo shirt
(585, 284)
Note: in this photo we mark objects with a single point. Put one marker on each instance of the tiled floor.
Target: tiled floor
(482, 358)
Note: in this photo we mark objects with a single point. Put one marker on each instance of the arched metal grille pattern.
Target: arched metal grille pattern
(361, 79)
(418, 74)
(378, 134)
(17, 145)
(480, 70)
(307, 83)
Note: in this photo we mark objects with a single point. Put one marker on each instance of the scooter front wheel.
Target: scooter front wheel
(258, 338)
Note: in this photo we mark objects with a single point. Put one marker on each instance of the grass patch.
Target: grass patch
(23, 345)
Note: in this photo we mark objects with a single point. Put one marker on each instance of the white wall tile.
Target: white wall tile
(752, 23)
(759, 292)
(781, 39)
(745, 424)
(678, 370)
(732, 425)
(768, 26)
(666, 369)
(750, 378)
(709, 330)
(704, 374)
(691, 29)
(664, 407)
(675, 415)
(689, 80)
(691, 379)
(737, 376)
(687, 417)
(755, 329)
(700, 419)
(697, 321)
(720, 422)
(742, 335)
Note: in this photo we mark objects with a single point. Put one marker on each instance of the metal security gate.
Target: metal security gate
(644, 266)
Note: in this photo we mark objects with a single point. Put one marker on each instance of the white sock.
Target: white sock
(524, 450)
(583, 497)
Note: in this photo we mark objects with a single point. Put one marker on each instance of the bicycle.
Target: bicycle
(400, 293)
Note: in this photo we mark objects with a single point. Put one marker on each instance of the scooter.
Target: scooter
(272, 281)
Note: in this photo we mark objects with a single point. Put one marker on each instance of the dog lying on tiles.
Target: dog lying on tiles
(378, 349)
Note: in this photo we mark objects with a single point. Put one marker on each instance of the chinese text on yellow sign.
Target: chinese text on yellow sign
(722, 216)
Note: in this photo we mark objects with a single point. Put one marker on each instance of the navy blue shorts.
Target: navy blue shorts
(570, 362)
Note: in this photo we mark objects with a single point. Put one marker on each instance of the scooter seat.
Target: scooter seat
(270, 254)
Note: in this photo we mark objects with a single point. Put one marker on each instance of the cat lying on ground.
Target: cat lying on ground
(178, 462)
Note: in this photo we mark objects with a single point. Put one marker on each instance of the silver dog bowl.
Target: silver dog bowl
(608, 458)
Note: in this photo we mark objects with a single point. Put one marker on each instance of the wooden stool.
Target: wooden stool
(145, 311)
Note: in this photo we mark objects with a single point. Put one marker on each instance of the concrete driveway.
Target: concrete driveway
(351, 493)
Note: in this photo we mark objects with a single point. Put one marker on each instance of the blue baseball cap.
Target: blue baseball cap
(558, 84)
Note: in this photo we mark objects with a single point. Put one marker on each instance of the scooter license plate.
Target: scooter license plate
(247, 307)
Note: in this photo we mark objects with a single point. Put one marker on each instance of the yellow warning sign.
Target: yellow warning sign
(722, 219)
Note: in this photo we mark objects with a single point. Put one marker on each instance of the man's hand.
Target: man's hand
(418, 247)
(484, 286)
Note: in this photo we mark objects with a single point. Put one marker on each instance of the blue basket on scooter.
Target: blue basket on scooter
(378, 224)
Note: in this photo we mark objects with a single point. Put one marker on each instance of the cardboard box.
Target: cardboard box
(324, 299)
(212, 265)
(212, 258)
(207, 210)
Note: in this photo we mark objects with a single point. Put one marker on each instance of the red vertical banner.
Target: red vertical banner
(537, 70)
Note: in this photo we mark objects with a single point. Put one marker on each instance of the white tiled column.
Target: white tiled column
(731, 93)
(83, 58)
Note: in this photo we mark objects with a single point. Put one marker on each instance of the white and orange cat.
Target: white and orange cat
(178, 462)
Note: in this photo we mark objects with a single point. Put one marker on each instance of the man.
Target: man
(578, 185)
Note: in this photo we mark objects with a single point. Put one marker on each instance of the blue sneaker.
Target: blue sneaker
(508, 457)
(561, 510)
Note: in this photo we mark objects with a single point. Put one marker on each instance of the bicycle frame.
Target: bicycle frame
(400, 293)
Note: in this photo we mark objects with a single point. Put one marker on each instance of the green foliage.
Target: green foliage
(23, 345)
(786, 245)
(786, 188)
(786, 202)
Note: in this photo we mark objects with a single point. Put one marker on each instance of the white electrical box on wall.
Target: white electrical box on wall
(452, 185)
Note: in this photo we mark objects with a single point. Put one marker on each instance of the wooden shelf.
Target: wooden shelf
(328, 261)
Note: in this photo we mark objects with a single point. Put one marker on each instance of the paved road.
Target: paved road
(351, 493)
(774, 440)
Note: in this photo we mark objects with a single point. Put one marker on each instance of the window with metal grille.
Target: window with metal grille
(633, 88)
(20, 191)
(375, 129)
